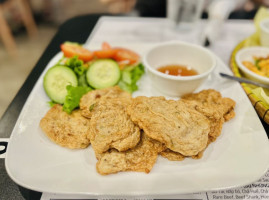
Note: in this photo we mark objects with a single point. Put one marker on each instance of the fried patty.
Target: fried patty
(111, 127)
(88, 100)
(216, 108)
(173, 123)
(212, 97)
(140, 158)
(67, 130)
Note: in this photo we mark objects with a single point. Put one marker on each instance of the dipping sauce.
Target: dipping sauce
(177, 70)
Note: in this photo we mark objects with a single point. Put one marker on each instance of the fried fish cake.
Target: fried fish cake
(111, 127)
(67, 130)
(173, 123)
(175, 156)
(212, 97)
(93, 96)
(216, 108)
(140, 158)
(171, 155)
(213, 114)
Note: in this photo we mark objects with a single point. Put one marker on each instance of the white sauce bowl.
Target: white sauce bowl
(179, 53)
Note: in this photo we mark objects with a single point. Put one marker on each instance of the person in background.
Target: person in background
(238, 9)
(144, 8)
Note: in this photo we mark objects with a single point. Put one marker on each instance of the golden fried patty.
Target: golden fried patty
(140, 158)
(88, 100)
(216, 108)
(111, 127)
(173, 123)
(212, 97)
(67, 130)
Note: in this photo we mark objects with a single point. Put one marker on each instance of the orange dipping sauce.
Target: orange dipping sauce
(177, 70)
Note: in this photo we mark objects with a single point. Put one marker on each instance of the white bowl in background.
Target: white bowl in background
(264, 34)
(246, 54)
(180, 53)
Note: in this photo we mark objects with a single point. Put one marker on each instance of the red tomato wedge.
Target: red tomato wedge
(126, 55)
(73, 49)
(106, 52)
(106, 46)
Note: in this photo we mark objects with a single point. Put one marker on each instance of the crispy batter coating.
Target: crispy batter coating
(140, 158)
(212, 97)
(175, 156)
(171, 155)
(173, 123)
(111, 127)
(216, 108)
(94, 96)
(113, 123)
(213, 114)
(67, 130)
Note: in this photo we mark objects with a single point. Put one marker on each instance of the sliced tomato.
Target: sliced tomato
(72, 49)
(106, 52)
(126, 55)
(106, 46)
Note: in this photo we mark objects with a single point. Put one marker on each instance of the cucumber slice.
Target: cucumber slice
(103, 73)
(55, 81)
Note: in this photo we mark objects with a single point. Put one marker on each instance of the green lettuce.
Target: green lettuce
(73, 97)
(76, 65)
(80, 68)
(82, 80)
(130, 76)
(51, 103)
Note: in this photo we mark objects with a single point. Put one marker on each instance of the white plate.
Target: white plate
(238, 157)
(246, 54)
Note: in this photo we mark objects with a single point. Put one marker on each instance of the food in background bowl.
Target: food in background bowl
(178, 53)
(254, 63)
(259, 66)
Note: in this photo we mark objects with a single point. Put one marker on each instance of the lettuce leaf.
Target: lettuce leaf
(82, 80)
(80, 68)
(130, 76)
(73, 97)
(76, 65)
(51, 103)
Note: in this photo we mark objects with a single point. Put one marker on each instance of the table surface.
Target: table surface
(81, 29)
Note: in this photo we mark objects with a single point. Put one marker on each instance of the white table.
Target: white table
(117, 30)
